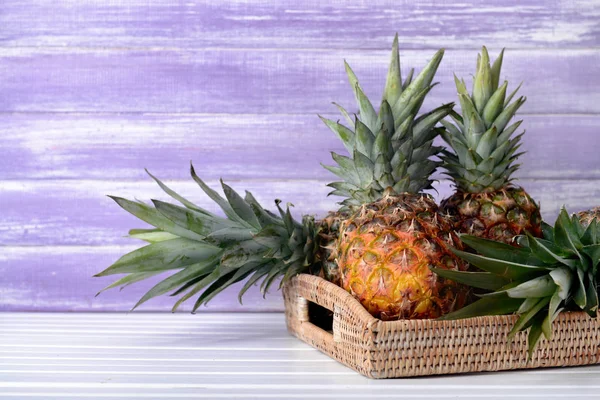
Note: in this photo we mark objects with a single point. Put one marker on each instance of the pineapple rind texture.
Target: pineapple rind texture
(385, 254)
(499, 215)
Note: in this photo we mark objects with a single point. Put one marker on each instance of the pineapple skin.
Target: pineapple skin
(496, 215)
(586, 217)
(385, 252)
(328, 236)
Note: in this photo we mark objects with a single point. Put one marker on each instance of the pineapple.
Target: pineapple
(391, 232)
(537, 280)
(587, 216)
(485, 203)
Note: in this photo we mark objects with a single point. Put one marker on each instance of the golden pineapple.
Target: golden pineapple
(386, 251)
(392, 234)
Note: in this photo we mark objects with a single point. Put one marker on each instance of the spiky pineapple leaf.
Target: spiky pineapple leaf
(502, 268)
(480, 280)
(129, 280)
(190, 272)
(499, 305)
(150, 215)
(162, 256)
(151, 235)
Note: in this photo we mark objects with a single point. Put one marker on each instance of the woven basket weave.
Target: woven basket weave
(393, 349)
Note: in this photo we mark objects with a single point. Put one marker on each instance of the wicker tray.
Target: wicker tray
(395, 349)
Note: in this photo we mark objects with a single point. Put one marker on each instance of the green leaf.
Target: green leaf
(364, 139)
(422, 81)
(501, 251)
(534, 335)
(563, 277)
(526, 318)
(177, 197)
(580, 296)
(481, 280)
(343, 133)
(499, 305)
(546, 254)
(555, 301)
(393, 83)
(482, 83)
(256, 276)
(565, 233)
(162, 256)
(593, 252)
(527, 305)
(590, 235)
(204, 282)
(153, 217)
(192, 271)
(541, 286)
(592, 296)
(496, 67)
(506, 269)
(506, 115)
(364, 168)
(225, 206)
(129, 280)
(345, 114)
(367, 112)
(423, 127)
(265, 217)
(231, 234)
(151, 235)
(191, 220)
(240, 207)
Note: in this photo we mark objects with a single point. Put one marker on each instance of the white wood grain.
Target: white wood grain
(123, 367)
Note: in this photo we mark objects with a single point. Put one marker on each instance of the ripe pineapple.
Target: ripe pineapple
(537, 280)
(486, 204)
(392, 232)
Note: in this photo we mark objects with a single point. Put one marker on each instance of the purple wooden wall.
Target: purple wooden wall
(91, 92)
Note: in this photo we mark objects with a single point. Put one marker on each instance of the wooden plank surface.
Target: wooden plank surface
(272, 81)
(250, 146)
(306, 24)
(229, 356)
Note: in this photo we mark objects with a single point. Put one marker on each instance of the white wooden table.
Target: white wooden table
(173, 356)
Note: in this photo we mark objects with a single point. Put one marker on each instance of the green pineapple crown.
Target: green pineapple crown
(390, 150)
(484, 150)
(206, 253)
(537, 280)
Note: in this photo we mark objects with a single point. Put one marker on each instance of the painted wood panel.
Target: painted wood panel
(267, 81)
(119, 147)
(73, 212)
(306, 24)
(61, 278)
(93, 91)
